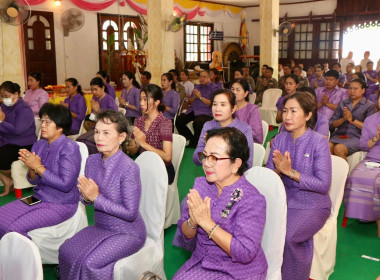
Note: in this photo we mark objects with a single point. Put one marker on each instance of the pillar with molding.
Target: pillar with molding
(160, 41)
(269, 20)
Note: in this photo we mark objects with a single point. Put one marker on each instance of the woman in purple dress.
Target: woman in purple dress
(130, 96)
(171, 97)
(362, 193)
(106, 79)
(17, 130)
(35, 96)
(153, 132)
(301, 157)
(247, 112)
(215, 78)
(223, 106)
(291, 85)
(53, 166)
(76, 104)
(224, 213)
(112, 184)
(348, 120)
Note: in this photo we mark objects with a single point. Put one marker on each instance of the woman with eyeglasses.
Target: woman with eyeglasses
(224, 213)
(53, 166)
(17, 130)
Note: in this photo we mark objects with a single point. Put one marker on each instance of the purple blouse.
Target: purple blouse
(78, 106)
(342, 78)
(320, 82)
(111, 91)
(133, 98)
(171, 99)
(107, 102)
(335, 96)
(198, 107)
(369, 131)
(245, 223)
(372, 74)
(18, 128)
(321, 126)
(35, 99)
(250, 114)
(219, 85)
(348, 80)
(310, 155)
(62, 161)
(242, 126)
(279, 103)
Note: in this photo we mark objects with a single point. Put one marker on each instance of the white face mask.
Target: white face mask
(8, 101)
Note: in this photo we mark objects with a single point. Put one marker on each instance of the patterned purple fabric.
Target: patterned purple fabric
(171, 99)
(242, 126)
(35, 99)
(133, 98)
(320, 82)
(322, 125)
(198, 107)
(78, 106)
(107, 102)
(372, 74)
(18, 128)
(111, 91)
(348, 80)
(245, 223)
(250, 114)
(119, 229)
(279, 103)
(342, 78)
(219, 85)
(363, 109)
(335, 96)
(369, 131)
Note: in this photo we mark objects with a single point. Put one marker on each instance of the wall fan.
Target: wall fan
(177, 22)
(285, 29)
(72, 20)
(14, 12)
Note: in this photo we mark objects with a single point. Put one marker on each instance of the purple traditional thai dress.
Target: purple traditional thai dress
(171, 99)
(362, 193)
(245, 223)
(335, 96)
(309, 204)
(360, 112)
(322, 125)
(372, 87)
(133, 98)
(213, 124)
(57, 189)
(348, 80)
(250, 114)
(320, 82)
(35, 99)
(78, 106)
(111, 91)
(342, 78)
(107, 102)
(219, 85)
(119, 229)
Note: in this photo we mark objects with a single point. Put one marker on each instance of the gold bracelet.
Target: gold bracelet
(212, 231)
(35, 169)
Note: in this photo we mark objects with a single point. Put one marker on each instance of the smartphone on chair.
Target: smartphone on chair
(30, 200)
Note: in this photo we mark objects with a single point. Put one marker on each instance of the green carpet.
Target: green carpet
(353, 241)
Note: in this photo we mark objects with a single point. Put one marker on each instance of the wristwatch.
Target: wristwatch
(373, 139)
(353, 119)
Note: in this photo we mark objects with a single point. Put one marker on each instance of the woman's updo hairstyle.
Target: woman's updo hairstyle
(74, 82)
(37, 76)
(244, 84)
(97, 81)
(307, 103)
(11, 87)
(155, 92)
(170, 78)
(237, 145)
(294, 77)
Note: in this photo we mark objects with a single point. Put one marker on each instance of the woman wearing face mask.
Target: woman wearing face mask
(35, 96)
(17, 130)
(130, 96)
(153, 132)
(223, 106)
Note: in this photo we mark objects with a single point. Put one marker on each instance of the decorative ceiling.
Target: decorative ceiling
(248, 3)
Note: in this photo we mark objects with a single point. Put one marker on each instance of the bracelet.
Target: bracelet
(212, 231)
(35, 169)
(200, 98)
(188, 223)
(292, 174)
(373, 139)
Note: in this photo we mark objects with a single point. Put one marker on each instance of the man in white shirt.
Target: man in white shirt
(345, 60)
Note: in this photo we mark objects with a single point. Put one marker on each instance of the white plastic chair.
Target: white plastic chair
(354, 159)
(19, 258)
(325, 240)
(269, 184)
(49, 239)
(154, 180)
(74, 137)
(258, 154)
(265, 130)
(268, 110)
(252, 98)
(173, 211)
(38, 127)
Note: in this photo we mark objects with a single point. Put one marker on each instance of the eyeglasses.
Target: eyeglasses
(47, 122)
(210, 158)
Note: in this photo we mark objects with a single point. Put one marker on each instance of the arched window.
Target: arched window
(110, 27)
(128, 33)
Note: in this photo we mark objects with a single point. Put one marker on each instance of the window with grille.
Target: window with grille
(283, 47)
(329, 36)
(198, 46)
(303, 41)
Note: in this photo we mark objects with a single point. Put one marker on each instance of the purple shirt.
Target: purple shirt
(310, 155)
(219, 85)
(321, 126)
(107, 102)
(18, 128)
(198, 107)
(111, 91)
(342, 78)
(372, 74)
(133, 98)
(348, 80)
(369, 131)
(245, 223)
(62, 161)
(320, 82)
(35, 99)
(78, 106)
(242, 126)
(250, 114)
(335, 96)
(279, 103)
(171, 99)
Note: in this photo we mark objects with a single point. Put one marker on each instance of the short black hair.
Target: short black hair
(332, 73)
(337, 63)
(104, 75)
(11, 87)
(362, 83)
(270, 69)
(37, 76)
(147, 74)
(59, 114)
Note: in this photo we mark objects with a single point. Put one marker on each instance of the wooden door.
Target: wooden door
(39, 46)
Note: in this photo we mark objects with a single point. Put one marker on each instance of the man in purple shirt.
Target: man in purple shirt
(318, 81)
(329, 96)
(349, 69)
(342, 77)
(199, 110)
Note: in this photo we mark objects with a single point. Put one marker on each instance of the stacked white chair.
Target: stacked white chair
(258, 154)
(252, 97)
(325, 240)
(19, 258)
(150, 257)
(38, 127)
(265, 130)
(269, 184)
(268, 110)
(354, 159)
(173, 211)
(74, 137)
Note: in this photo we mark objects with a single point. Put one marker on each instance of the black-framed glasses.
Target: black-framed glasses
(210, 158)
